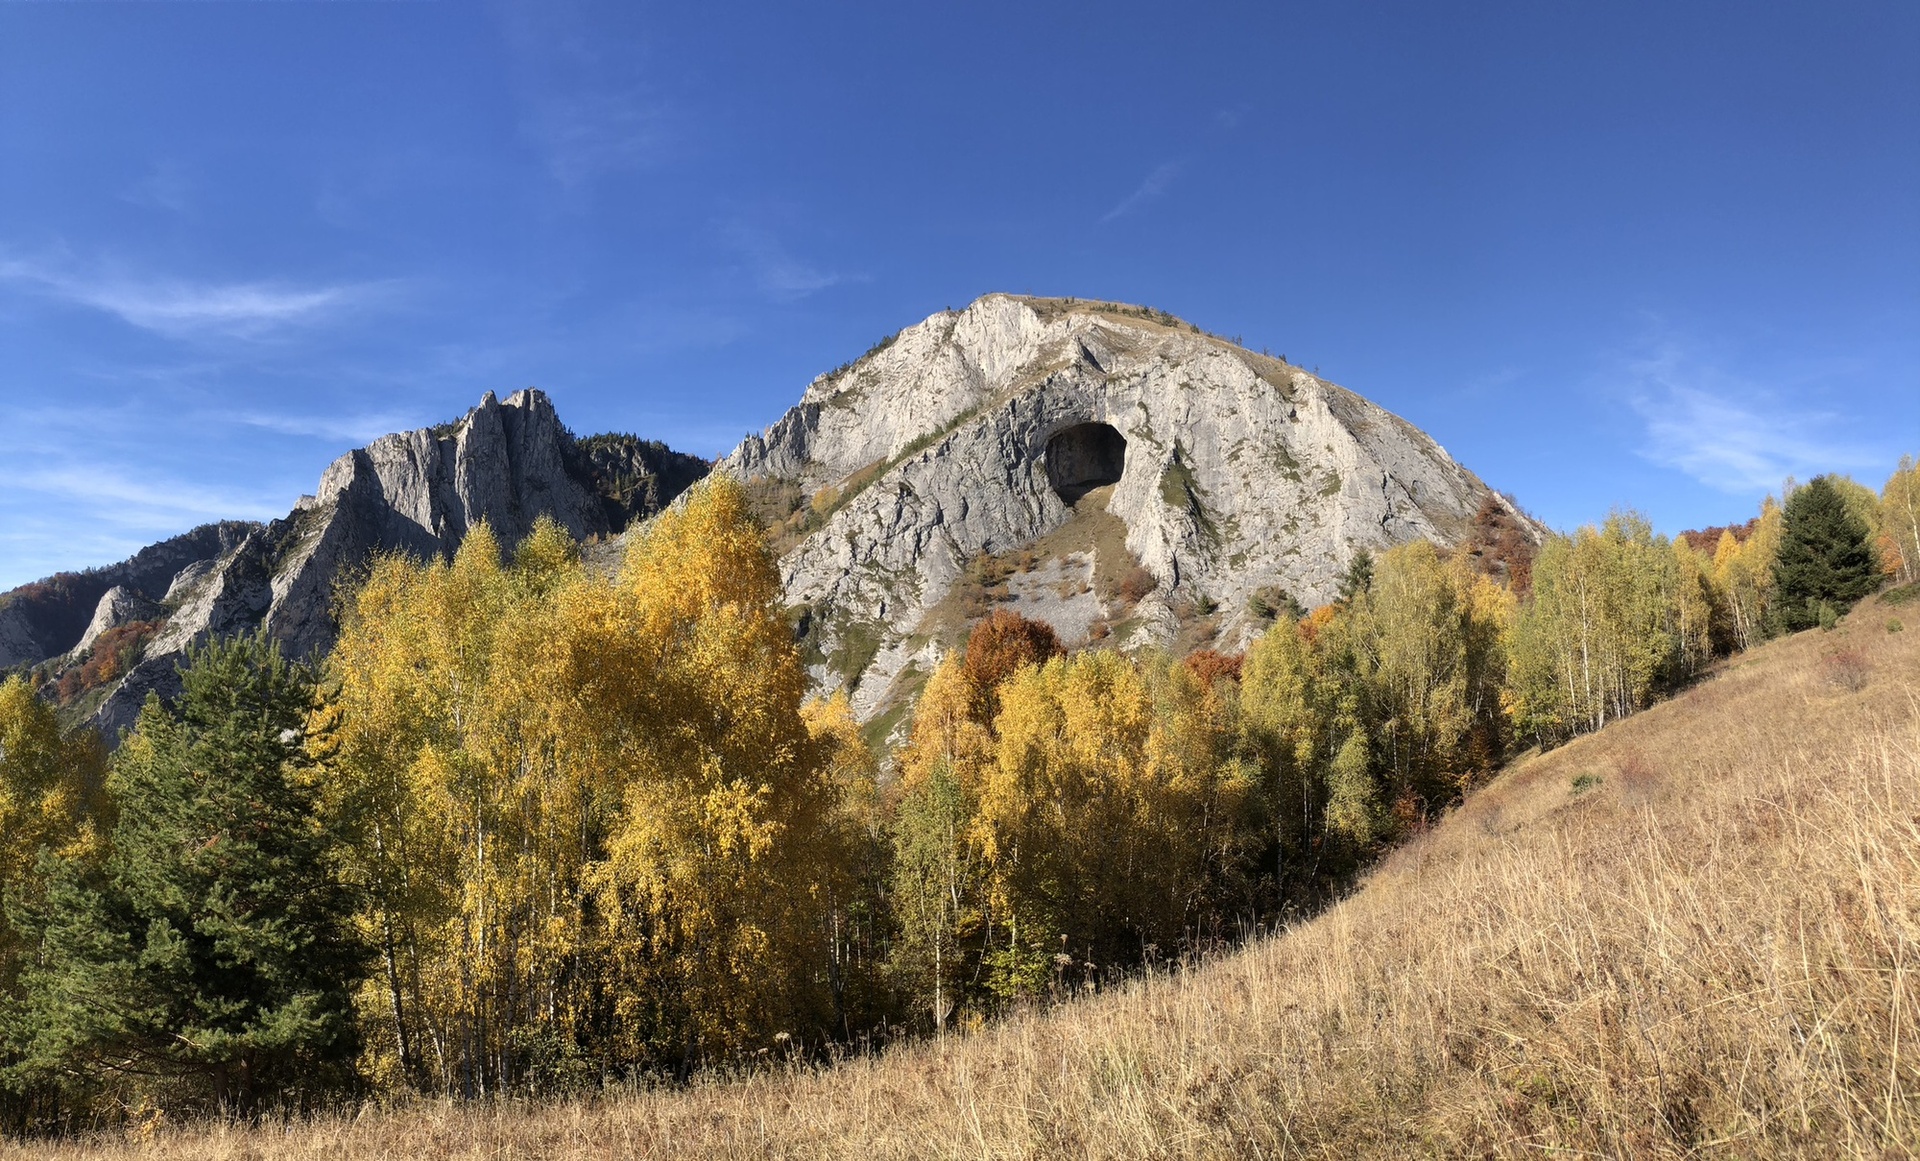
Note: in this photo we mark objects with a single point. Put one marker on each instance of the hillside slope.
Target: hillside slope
(1692, 934)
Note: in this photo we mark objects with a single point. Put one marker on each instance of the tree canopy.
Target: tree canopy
(534, 827)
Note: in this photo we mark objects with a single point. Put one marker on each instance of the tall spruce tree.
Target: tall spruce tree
(1358, 578)
(208, 961)
(1824, 558)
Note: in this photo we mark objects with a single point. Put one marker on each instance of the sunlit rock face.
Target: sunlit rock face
(507, 463)
(978, 431)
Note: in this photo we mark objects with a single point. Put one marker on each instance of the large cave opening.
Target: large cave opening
(1084, 457)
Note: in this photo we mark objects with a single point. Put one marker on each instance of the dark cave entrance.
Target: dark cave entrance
(1084, 457)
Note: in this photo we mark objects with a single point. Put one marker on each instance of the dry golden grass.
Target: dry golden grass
(1691, 934)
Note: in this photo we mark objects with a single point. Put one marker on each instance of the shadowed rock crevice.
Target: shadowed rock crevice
(1084, 457)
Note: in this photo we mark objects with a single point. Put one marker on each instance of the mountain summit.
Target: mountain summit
(417, 492)
(1107, 468)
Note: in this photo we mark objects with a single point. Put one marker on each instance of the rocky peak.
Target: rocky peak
(508, 463)
(49, 617)
(120, 606)
(1178, 483)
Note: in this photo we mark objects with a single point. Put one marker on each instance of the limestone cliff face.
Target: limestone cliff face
(48, 618)
(419, 492)
(977, 432)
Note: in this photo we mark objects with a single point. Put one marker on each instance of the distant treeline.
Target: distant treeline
(531, 829)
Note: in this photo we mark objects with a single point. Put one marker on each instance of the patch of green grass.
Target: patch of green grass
(856, 644)
(1176, 485)
(81, 711)
(1283, 460)
(1179, 489)
(1901, 595)
(907, 695)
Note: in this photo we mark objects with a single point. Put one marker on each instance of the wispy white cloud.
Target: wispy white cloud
(82, 514)
(144, 502)
(775, 269)
(31, 549)
(590, 132)
(1735, 436)
(349, 429)
(1153, 187)
(178, 308)
(583, 101)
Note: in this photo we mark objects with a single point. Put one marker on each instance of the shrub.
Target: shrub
(1136, 584)
(1846, 669)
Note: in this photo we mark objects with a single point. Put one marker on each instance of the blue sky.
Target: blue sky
(1653, 255)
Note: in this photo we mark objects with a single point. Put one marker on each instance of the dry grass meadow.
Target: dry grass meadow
(1695, 933)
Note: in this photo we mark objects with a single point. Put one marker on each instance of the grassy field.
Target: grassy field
(1695, 933)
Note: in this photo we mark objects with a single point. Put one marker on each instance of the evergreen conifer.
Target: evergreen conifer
(1824, 561)
(209, 960)
(1358, 578)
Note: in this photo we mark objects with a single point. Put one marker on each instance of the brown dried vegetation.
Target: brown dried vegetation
(1500, 547)
(1707, 539)
(112, 654)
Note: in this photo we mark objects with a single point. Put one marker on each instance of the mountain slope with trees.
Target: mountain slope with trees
(540, 825)
(1681, 934)
(583, 829)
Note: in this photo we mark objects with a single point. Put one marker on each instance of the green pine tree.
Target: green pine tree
(208, 961)
(1824, 563)
(1358, 578)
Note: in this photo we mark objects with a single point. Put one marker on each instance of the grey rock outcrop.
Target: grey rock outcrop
(419, 493)
(47, 619)
(977, 432)
(120, 606)
(1104, 467)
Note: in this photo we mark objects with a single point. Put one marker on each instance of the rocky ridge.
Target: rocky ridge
(1238, 479)
(1107, 468)
(507, 463)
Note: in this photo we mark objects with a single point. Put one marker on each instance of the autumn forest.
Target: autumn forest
(531, 829)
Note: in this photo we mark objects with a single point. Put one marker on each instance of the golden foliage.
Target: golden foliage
(597, 830)
(1705, 951)
(51, 798)
(1900, 508)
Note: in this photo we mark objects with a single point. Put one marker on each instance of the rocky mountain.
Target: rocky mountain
(1107, 468)
(507, 463)
(47, 618)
